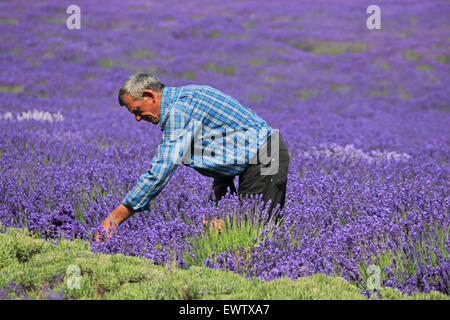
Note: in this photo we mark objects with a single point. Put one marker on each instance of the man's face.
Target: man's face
(147, 109)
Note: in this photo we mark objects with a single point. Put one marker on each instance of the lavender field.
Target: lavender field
(364, 113)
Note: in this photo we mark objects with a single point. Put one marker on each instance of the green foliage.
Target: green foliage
(381, 93)
(240, 230)
(8, 21)
(329, 47)
(40, 267)
(275, 78)
(213, 34)
(406, 264)
(255, 97)
(203, 283)
(425, 68)
(411, 55)
(49, 54)
(386, 66)
(340, 87)
(306, 93)
(106, 63)
(404, 95)
(42, 95)
(394, 294)
(190, 75)
(225, 70)
(444, 58)
(248, 25)
(256, 62)
(11, 89)
(144, 54)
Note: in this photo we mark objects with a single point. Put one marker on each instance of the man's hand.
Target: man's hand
(110, 228)
(120, 214)
(214, 224)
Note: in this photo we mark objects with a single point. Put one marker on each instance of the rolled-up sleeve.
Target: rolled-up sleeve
(167, 158)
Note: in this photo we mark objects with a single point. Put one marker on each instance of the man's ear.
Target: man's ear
(148, 93)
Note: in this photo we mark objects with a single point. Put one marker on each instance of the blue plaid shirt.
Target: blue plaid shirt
(205, 129)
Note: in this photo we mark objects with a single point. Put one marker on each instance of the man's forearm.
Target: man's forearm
(119, 215)
(122, 213)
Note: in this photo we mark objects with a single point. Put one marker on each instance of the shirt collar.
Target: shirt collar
(165, 98)
(168, 97)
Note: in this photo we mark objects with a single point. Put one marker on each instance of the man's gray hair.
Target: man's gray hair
(138, 83)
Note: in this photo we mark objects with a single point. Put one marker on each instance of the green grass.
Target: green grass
(380, 93)
(190, 75)
(255, 97)
(225, 70)
(42, 95)
(404, 263)
(255, 62)
(49, 54)
(404, 95)
(340, 87)
(40, 267)
(306, 93)
(242, 230)
(11, 89)
(213, 34)
(275, 78)
(8, 21)
(386, 66)
(411, 55)
(425, 67)
(330, 47)
(106, 63)
(444, 58)
(248, 25)
(144, 54)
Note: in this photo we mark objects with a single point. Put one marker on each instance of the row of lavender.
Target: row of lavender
(364, 114)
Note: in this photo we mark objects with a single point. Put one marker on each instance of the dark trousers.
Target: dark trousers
(252, 181)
